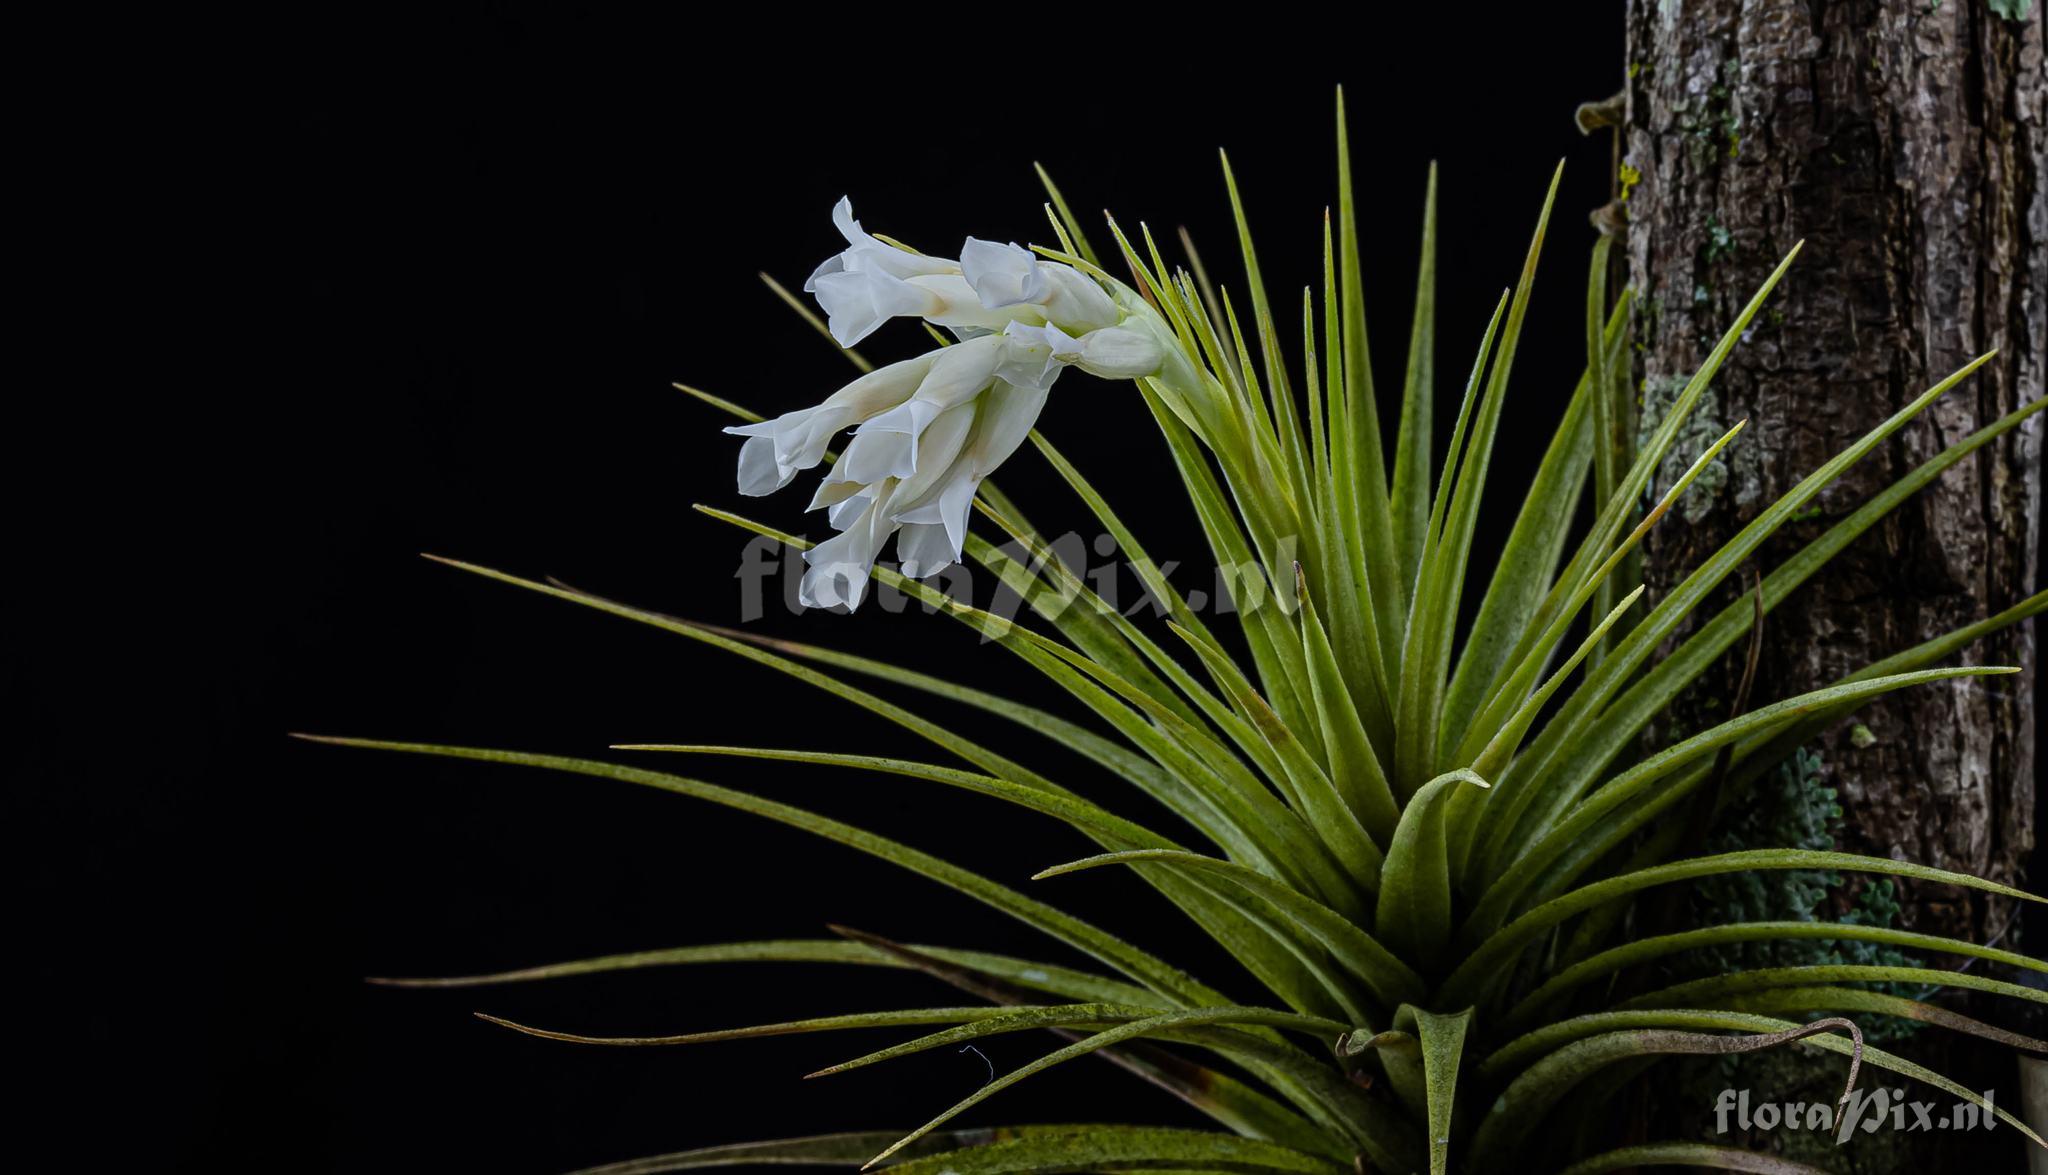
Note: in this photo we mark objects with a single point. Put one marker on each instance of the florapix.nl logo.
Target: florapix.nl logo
(1868, 1111)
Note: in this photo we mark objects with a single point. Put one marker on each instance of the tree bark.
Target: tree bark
(1903, 142)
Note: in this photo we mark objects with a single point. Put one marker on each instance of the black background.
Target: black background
(423, 287)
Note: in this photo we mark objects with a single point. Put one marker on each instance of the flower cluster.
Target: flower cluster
(926, 431)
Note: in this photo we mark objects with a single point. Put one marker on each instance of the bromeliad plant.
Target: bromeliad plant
(1423, 858)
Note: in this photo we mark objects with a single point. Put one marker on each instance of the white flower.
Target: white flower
(838, 572)
(938, 507)
(870, 282)
(1112, 352)
(928, 431)
(776, 449)
(1010, 277)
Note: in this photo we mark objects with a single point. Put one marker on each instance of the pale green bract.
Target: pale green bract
(1417, 854)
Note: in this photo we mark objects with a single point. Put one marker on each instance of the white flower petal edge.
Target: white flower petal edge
(928, 431)
(778, 449)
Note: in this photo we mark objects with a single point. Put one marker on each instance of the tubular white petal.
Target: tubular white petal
(947, 507)
(956, 305)
(848, 512)
(882, 388)
(878, 453)
(1074, 300)
(864, 252)
(760, 474)
(1007, 414)
(924, 549)
(1002, 275)
(1003, 418)
(961, 371)
(1116, 352)
(1032, 359)
(858, 301)
(797, 440)
(835, 489)
(937, 447)
(838, 569)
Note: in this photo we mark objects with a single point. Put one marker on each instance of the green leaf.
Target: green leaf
(1271, 835)
(1529, 559)
(1488, 963)
(1443, 1043)
(1418, 393)
(1710, 991)
(1537, 646)
(1100, 1148)
(1275, 647)
(1644, 950)
(1112, 756)
(1021, 1019)
(1805, 1000)
(1689, 1154)
(1607, 433)
(1529, 1098)
(1282, 422)
(1379, 1149)
(1354, 762)
(1391, 980)
(817, 324)
(830, 1150)
(1414, 916)
(1595, 818)
(1607, 1037)
(1508, 738)
(1147, 970)
(1046, 977)
(1219, 715)
(1307, 788)
(1559, 787)
(1425, 661)
(1247, 939)
(1365, 487)
(1127, 543)
(1075, 235)
(1662, 681)
(1075, 812)
(895, 1018)
(1530, 654)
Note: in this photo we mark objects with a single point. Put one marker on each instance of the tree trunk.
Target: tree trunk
(1903, 142)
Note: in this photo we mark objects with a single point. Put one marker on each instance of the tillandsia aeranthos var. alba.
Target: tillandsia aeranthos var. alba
(928, 431)
(1424, 852)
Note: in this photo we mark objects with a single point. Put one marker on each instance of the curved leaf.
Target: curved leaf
(1486, 966)
(1101, 1148)
(1020, 1019)
(1078, 813)
(1044, 977)
(1443, 1043)
(1626, 716)
(910, 1017)
(1705, 993)
(1645, 949)
(1516, 884)
(1805, 1000)
(1383, 1150)
(1414, 916)
(1689, 1154)
(1153, 973)
(1573, 1048)
(826, 1150)
(1390, 979)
